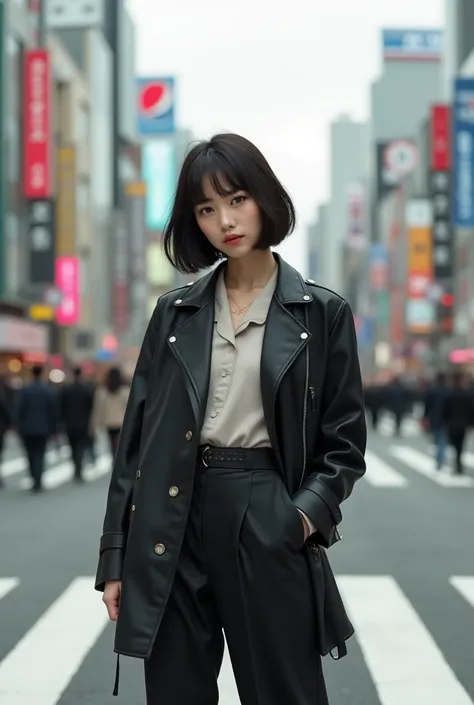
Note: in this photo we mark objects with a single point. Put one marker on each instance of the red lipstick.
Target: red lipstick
(232, 239)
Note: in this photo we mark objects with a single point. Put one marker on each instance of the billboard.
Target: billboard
(155, 106)
(66, 209)
(67, 281)
(443, 241)
(463, 153)
(159, 174)
(356, 217)
(120, 289)
(67, 14)
(440, 138)
(412, 44)
(40, 242)
(135, 201)
(37, 133)
(396, 160)
(420, 309)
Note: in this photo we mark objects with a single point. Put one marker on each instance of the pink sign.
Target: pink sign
(67, 281)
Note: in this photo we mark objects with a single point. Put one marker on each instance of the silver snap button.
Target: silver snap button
(310, 281)
(189, 283)
(189, 435)
(160, 548)
(304, 336)
(306, 297)
(173, 491)
(172, 339)
(178, 301)
(133, 507)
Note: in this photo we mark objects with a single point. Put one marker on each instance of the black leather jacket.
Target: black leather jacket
(313, 404)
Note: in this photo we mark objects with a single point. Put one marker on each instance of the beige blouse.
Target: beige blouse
(234, 413)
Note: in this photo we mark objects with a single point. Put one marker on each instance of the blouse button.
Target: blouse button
(223, 373)
(213, 414)
(304, 336)
(172, 339)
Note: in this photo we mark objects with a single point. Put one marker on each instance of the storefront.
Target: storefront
(22, 344)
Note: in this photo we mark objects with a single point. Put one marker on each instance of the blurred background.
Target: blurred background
(366, 113)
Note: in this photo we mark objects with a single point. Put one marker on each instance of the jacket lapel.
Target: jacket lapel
(284, 340)
(191, 341)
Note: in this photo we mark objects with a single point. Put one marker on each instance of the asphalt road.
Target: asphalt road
(405, 568)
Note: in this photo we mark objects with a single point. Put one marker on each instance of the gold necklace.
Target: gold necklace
(239, 310)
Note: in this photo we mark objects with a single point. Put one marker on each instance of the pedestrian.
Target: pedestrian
(76, 402)
(244, 432)
(434, 416)
(110, 402)
(458, 417)
(399, 403)
(36, 420)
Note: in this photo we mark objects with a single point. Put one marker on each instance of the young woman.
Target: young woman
(110, 403)
(244, 433)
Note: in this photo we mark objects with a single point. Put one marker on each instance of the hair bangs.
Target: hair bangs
(225, 177)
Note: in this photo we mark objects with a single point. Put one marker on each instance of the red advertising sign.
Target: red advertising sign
(37, 124)
(440, 141)
(67, 281)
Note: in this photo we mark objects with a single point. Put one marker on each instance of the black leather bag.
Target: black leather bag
(334, 626)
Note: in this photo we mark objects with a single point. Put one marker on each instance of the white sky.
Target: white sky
(276, 72)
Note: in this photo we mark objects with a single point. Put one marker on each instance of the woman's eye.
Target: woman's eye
(238, 199)
(206, 210)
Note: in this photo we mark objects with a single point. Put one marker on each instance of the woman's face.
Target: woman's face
(231, 223)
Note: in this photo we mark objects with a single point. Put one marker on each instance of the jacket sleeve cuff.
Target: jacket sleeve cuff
(109, 568)
(319, 513)
(111, 557)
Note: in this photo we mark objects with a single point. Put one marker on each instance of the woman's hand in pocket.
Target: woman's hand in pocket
(306, 525)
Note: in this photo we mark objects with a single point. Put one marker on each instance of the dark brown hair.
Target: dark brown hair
(229, 161)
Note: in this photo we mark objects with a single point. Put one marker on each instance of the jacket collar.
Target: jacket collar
(290, 287)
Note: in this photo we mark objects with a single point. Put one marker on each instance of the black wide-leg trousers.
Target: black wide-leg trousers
(242, 573)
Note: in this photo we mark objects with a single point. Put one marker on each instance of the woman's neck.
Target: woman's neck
(250, 272)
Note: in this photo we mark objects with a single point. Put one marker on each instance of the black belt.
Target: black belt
(237, 458)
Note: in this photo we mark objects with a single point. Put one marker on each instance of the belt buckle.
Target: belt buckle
(202, 456)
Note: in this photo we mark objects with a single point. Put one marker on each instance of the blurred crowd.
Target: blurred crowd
(444, 407)
(76, 411)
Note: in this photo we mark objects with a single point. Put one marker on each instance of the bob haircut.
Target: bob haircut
(230, 162)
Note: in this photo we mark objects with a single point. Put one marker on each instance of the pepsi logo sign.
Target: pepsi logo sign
(155, 99)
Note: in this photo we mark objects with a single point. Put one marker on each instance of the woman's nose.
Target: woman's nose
(227, 221)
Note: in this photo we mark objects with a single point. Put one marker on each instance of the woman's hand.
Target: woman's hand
(111, 598)
(306, 526)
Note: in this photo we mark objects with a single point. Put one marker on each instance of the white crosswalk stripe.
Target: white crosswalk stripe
(402, 657)
(7, 585)
(40, 666)
(465, 586)
(410, 426)
(423, 464)
(62, 473)
(404, 660)
(58, 473)
(381, 474)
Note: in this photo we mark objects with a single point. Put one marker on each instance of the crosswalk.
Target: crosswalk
(383, 473)
(399, 650)
(59, 469)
